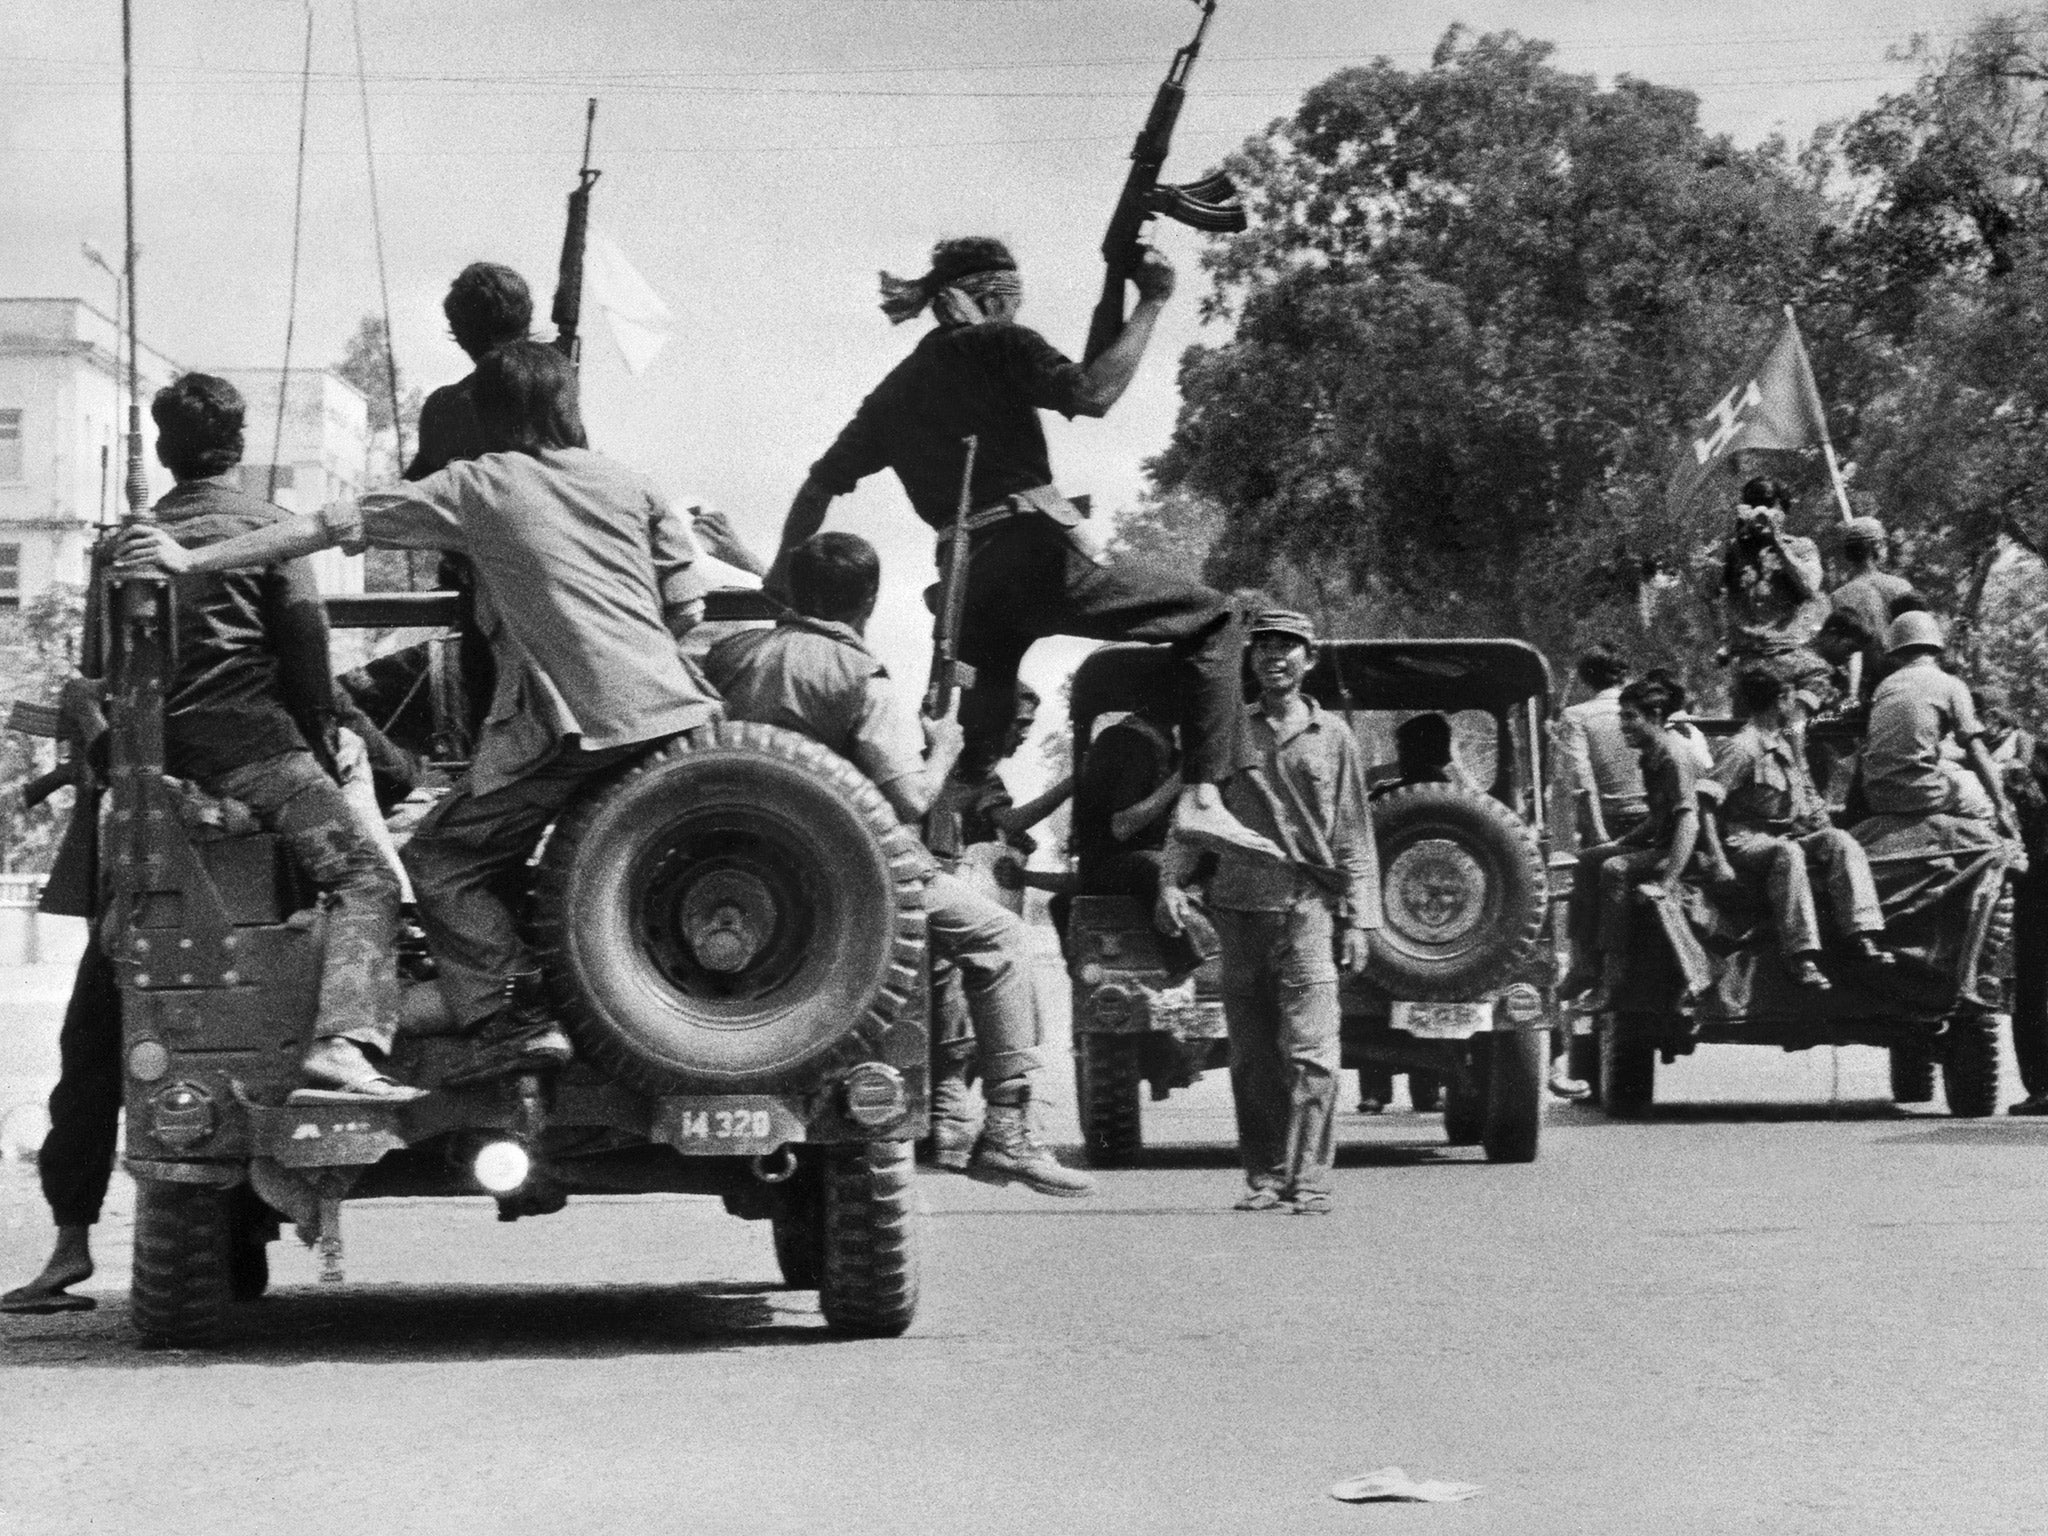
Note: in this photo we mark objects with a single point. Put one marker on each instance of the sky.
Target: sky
(762, 160)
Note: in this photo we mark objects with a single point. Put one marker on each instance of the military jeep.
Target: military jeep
(1461, 987)
(732, 929)
(1945, 884)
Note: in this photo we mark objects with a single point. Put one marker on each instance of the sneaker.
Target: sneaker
(1564, 1086)
(1805, 973)
(523, 1036)
(1871, 952)
(1260, 1197)
(1009, 1151)
(1312, 1202)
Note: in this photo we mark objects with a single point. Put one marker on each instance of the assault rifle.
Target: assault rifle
(942, 695)
(1209, 205)
(568, 310)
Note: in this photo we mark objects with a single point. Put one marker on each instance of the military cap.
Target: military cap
(1863, 530)
(1284, 621)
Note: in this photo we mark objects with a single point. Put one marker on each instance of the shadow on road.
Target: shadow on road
(410, 1324)
(1971, 1133)
(1735, 1112)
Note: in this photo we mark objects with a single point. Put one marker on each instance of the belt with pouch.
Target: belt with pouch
(1070, 515)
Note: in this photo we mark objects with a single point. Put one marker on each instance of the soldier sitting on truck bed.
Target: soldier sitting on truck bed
(589, 572)
(813, 673)
(249, 706)
(1657, 850)
(1778, 835)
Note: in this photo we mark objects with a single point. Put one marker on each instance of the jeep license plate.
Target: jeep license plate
(728, 1125)
(1443, 1021)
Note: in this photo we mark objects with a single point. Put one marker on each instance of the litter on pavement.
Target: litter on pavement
(1392, 1485)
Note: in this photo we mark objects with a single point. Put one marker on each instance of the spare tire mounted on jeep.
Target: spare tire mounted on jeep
(728, 912)
(1463, 890)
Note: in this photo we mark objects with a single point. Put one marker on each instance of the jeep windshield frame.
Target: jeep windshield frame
(1508, 680)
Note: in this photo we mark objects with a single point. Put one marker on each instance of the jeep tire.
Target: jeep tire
(1464, 892)
(183, 1280)
(1969, 1065)
(868, 1280)
(1912, 1074)
(1514, 1100)
(1468, 1092)
(1106, 1080)
(733, 912)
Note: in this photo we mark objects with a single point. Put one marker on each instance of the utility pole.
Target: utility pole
(138, 486)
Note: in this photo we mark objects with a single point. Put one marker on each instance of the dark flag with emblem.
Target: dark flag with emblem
(1772, 404)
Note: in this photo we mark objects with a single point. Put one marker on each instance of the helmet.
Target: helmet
(1863, 532)
(1917, 631)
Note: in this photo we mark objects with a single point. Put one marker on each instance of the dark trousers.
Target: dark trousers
(77, 1157)
(468, 866)
(1280, 1005)
(2030, 979)
(1028, 581)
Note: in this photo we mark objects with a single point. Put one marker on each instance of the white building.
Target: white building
(63, 415)
(63, 419)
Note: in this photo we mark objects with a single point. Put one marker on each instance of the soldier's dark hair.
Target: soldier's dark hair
(1848, 627)
(1763, 491)
(525, 395)
(198, 426)
(487, 306)
(1654, 697)
(834, 576)
(1758, 689)
(1423, 741)
(1600, 666)
(1665, 678)
(969, 254)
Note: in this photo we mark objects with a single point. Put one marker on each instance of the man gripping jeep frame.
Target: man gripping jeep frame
(1035, 568)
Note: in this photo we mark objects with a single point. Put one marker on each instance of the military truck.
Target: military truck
(732, 930)
(1946, 888)
(1461, 986)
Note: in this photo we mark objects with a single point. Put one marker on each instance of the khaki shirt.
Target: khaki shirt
(1316, 807)
(582, 561)
(1913, 711)
(1763, 786)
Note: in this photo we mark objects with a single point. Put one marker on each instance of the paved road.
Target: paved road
(1780, 1306)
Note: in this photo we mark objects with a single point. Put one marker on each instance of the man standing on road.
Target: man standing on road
(590, 574)
(813, 673)
(1285, 932)
(1036, 569)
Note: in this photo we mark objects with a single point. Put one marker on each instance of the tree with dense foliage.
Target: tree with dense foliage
(1476, 305)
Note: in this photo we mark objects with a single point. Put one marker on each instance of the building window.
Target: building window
(10, 445)
(10, 576)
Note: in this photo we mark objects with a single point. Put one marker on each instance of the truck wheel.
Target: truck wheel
(1628, 1071)
(1464, 892)
(1106, 1082)
(184, 1273)
(868, 1280)
(1467, 1094)
(254, 1228)
(800, 1231)
(1912, 1075)
(1969, 1066)
(1425, 1092)
(739, 908)
(1514, 1104)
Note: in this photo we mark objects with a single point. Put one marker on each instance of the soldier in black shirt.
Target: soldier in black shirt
(1037, 570)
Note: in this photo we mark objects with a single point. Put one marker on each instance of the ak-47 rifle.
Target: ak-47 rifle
(568, 311)
(1209, 205)
(942, 694)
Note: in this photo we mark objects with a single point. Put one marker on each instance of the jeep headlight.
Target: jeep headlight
(182, 1115)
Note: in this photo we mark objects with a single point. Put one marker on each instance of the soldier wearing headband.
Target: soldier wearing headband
(1037, 568)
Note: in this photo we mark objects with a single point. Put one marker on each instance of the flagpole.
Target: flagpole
(1820, 416)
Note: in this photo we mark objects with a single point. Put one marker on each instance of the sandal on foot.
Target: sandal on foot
(1261, 1198)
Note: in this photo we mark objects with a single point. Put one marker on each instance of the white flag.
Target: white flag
(638, 318)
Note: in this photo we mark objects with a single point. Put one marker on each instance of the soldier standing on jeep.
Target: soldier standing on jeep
(1279, 927)
(813, 673)
(1036, 570)
(589, 572)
